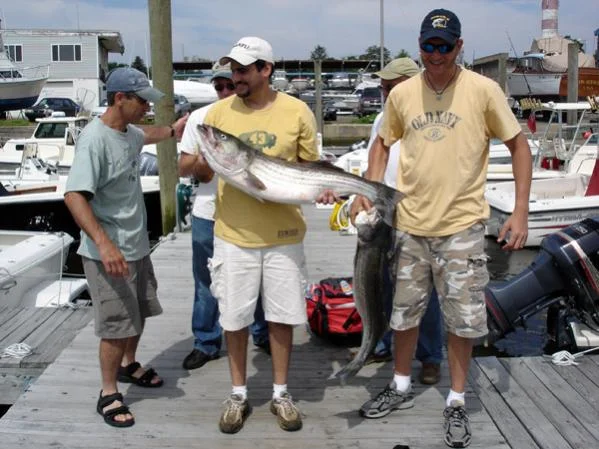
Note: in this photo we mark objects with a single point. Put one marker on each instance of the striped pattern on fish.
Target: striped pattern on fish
(273, 179)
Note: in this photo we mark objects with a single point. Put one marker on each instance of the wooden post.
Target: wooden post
(318, 94)
(502, 71)
(162, 74)
(572, 80)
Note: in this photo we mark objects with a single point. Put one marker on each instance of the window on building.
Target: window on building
(66, 52)
(14, 52)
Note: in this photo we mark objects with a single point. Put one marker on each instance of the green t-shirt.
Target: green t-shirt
(106, 165)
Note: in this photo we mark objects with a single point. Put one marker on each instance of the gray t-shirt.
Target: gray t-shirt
(106, 165)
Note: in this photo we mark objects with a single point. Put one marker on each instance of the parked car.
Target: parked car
(46, 106)
(182, 106)
(369, 102)
(340, 80)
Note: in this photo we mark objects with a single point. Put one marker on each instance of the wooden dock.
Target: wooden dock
(513, 403)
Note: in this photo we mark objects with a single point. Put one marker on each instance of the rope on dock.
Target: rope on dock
(565, 358)
(16, 351)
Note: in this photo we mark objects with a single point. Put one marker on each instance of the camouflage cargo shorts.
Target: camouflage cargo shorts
(457, 266)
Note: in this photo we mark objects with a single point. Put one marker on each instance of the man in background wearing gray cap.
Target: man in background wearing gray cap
(204, 320)
(430, 339)
(104, 195)
(258, 245)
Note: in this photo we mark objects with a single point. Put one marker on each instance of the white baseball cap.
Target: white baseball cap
(248, 50)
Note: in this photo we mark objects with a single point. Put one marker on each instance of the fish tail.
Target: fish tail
(386, 202)
(352, 368)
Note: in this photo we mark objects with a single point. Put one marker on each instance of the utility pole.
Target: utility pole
(162, 75)
(572, 80)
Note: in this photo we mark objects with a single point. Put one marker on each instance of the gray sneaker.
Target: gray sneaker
(457, 425)
(288, 415)
(236, 411)
(386, 401)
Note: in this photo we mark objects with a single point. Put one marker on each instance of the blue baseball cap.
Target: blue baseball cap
(442, 24)
(128, 79)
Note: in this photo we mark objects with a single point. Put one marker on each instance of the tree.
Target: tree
(319, 53)
(403, 54)
(374, 53)
(114, 65)
(139, 64)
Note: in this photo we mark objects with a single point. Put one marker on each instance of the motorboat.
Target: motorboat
(31, 269)
(19, 88)
(569, 195)
(40, 206)
(54, 138)
(197, 93)
(279, 80)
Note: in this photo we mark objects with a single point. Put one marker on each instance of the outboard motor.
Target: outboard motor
(563, 276)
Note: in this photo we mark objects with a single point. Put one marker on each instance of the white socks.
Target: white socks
(402, 383)
(241, 390)
(455, 396)
(277, 390)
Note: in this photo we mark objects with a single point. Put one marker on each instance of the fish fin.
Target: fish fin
(321, 165)
(255, 181)
(386, 202)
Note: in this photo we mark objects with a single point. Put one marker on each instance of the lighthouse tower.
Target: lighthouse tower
(549, 18)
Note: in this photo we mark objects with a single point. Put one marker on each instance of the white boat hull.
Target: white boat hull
(19, 93)
(554, 204)
(29, 259)
(533, 84)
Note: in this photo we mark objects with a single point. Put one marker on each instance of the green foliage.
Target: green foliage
(374, 53)
(403, 54)
(140, 65)
(365, 119)
(319, 53)
(14, 122)
(114, 65)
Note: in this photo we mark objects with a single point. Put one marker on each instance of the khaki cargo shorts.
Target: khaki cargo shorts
(121, 304)
(457, 266)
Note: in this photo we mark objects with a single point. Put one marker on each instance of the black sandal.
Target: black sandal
(110, 415)
(145, 380)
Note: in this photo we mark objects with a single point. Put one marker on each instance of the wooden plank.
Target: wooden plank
(516, 397)
(501, 414)
(12, 386)
(544, 397)
(56, 340)
(577, 404)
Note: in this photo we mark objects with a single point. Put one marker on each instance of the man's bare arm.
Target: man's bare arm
(517, 224)
(195, 165)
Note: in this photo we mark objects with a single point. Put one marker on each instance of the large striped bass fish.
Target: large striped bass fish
(273, 179)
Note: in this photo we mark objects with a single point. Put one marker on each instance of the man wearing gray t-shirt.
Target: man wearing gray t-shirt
(104, 195)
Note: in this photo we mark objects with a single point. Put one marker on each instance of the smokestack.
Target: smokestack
(549, 19)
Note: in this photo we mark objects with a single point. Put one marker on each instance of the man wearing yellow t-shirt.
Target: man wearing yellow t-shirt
(258, 245)
(445, 117)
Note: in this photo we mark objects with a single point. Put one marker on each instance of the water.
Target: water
(530, 341)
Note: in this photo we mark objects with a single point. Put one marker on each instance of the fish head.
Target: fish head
(224, 153)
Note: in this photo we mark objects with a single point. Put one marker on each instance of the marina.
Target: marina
(514, 403)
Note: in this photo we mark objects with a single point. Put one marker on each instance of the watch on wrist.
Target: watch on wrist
(172, 130)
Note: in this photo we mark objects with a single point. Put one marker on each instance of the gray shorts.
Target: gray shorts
(121, 304)
(457, 267)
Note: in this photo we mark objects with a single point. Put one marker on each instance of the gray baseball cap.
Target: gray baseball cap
(128, 79)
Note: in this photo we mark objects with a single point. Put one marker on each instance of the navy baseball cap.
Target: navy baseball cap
(128, 79)
(442, 24)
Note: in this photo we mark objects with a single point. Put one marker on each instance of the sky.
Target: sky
(209, 28)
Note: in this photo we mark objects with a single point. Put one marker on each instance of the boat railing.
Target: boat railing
(36, 72)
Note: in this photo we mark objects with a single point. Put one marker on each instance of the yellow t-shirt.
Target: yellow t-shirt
(445, 150)
(286, 129)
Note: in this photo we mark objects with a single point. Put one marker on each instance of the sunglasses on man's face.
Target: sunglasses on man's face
(443, 49)
(221, 87)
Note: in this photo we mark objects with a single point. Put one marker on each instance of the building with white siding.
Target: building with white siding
(78, 59)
